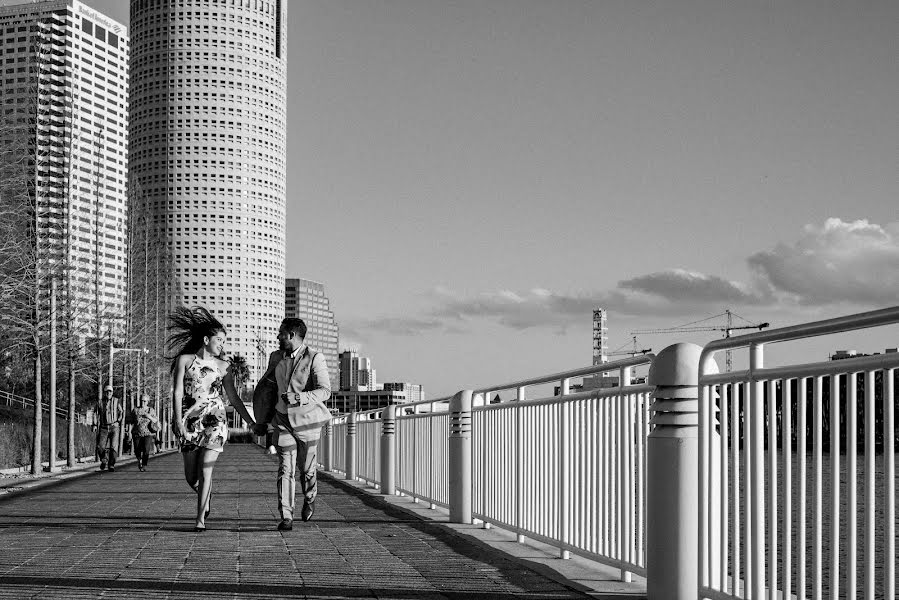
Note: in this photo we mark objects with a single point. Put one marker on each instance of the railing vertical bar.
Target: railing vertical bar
(584, 516)
(870, 490)
(725, 488)
(551, 499)
(631, 496)
(802, 503)
(772, 489)
(641, 476)
(519, 491)
(563, 471)
(608, 512)
(757, 481)
(602, 508)
(600, 474)
(786, 441)
(747, 487)
(852, 482)
(593, 477)
(616, 482)
(578, 499)
(835, 487)
(704, 496)
(818, 429)
(736, 399)
(432, 472)
(889, 460)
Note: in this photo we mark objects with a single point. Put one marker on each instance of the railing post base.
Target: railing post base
(351, 447)
(672, 452)
(460, 458)
(327, 449)
(388, 450)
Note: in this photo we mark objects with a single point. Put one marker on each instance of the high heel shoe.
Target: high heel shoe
(199, 529)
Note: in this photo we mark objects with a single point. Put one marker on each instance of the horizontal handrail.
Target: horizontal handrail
(830, 367)
(874, 318)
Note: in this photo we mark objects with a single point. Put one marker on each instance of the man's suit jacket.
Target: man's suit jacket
(307, 376)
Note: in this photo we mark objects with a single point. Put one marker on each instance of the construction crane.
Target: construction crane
(727, 329)
(633, 352)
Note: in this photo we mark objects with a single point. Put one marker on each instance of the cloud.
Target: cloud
(679, 285)
(402, 326)
(540, 307)
(839, 262)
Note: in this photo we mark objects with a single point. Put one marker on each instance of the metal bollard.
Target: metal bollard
(672, 511)
(327, 446)
(460, 458)
(351, 446)
(388, 450)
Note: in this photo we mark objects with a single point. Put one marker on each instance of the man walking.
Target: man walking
(109, 426)
(297, 382)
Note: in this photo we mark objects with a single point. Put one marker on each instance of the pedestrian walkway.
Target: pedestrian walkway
(130, 535)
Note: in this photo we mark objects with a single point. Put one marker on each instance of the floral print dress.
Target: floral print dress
(203, 421)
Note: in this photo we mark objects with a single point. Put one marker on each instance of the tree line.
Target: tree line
(58, 315)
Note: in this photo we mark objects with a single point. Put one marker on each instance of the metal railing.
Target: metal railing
(14, 400)
(529, 471)
(764, 505)
(728, 486)
(568, 470)
(422, 452)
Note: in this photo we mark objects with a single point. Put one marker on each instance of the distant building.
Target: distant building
(61, 54)
(356, 372)
(358, 400)
(413, 391)
(305, 299)
(844, 354)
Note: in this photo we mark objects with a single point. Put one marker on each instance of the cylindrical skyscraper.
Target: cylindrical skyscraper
(207, 151)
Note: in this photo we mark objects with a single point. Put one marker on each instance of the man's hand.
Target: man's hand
(291, 398)
(176, 427)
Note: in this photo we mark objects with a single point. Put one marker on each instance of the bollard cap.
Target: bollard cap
(678, 365)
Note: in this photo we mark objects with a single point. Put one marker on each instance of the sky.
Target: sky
(470, 178)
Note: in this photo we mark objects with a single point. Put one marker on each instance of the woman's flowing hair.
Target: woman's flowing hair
(187, 328)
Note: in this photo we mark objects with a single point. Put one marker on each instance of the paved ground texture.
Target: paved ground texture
(130, 535)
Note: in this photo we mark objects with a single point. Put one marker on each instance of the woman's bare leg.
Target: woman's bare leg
(192, 468)
(204, 489)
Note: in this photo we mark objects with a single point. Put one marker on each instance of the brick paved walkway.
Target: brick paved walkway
(130, 535)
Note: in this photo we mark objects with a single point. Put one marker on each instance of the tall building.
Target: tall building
(305, 299)
(64, 72)
(356, 372)
(207, 126)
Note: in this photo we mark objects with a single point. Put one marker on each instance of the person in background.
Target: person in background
(144, 425)
(110, 414)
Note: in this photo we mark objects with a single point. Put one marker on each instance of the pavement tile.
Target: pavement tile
(130, 534)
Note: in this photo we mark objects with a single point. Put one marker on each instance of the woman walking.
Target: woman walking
(144, 425)
(201, 379)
